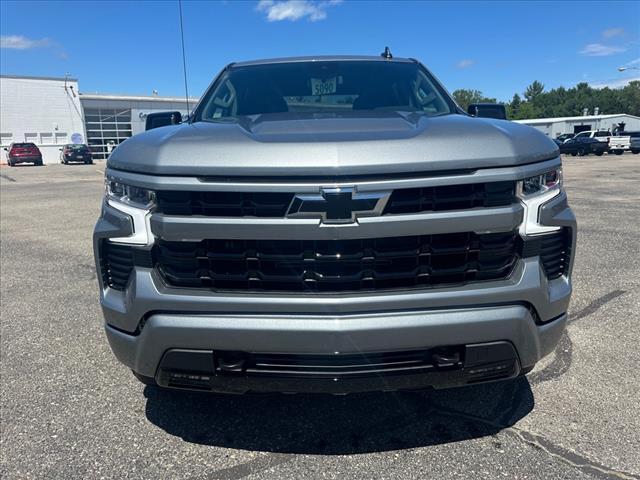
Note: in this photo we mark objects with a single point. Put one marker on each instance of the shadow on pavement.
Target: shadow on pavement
(340, 425)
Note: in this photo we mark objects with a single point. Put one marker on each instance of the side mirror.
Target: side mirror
(60, 149)
(5, 149)
(162, 119)
(487, 110)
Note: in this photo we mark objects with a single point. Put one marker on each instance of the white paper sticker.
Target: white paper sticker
(323, 87)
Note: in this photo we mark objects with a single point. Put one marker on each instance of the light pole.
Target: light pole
(622, 69)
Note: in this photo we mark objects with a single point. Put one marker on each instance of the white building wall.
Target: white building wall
(554, 127)
(41, 111)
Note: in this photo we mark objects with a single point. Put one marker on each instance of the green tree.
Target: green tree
(465, 97)
(630, 98)
(533, 91)
(513, 108)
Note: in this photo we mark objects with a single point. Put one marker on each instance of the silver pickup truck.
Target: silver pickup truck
(333, 224)
(622, 141)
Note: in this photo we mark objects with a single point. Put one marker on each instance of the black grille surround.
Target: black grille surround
(555, 254)
(371, 264)
(116, 264)
(276, 204)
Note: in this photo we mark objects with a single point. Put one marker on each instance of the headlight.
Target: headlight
(531, 186)
(535, 192)
(128, 194)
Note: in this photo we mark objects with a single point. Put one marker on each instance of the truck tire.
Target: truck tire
(582, 152)
(635, 152)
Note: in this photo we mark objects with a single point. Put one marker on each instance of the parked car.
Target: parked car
(23, 153)
(622, 141)
(295, 236)
(600, 135)
(564, 137)
(583, 146)
(73, 152)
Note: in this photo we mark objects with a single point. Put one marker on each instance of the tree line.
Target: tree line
(561, 102)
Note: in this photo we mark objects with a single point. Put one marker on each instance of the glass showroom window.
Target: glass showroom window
(106, 129)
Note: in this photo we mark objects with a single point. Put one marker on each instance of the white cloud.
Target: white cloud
(292, 10)
(613, 32)
(599, 50)
(617, 83)
(19, 42)
(466, 63)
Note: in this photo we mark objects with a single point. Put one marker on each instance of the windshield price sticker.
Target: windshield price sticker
(323, 87)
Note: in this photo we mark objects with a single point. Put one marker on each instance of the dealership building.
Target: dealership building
(52, 112)
(553, 127)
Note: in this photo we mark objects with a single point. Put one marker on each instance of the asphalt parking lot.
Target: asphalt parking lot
(70, 410)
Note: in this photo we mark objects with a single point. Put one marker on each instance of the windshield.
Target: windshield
(323, 87)
(77, 146)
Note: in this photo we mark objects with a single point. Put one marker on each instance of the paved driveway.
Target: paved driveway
(69, 410)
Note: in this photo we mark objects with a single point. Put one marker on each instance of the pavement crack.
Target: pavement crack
(564, 351)
(7, 177)
(568, 456)
(540, 442)
(596, 305)
(259, 464)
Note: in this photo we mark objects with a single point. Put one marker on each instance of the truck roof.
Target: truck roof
(324, 58)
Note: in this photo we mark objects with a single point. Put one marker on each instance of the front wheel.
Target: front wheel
(582, 152)
(599, 153)
(573, 154)
(635, 152)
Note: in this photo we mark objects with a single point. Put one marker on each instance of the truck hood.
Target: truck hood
(279, 145)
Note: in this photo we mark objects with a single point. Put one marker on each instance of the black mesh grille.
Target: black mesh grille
(117, 264)
(451, 197)
(555, 253)
(224, 204)
(274, 205)
(336, 266)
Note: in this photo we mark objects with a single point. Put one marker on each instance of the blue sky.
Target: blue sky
(498, 48)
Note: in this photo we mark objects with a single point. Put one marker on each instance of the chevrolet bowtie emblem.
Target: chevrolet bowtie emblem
(338, 205)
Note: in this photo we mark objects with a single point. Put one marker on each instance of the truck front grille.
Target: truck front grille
(450, 197)
(337, 266)
(275, 204)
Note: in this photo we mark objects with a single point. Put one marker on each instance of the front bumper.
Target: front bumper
(336, 335)
(149, 319)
